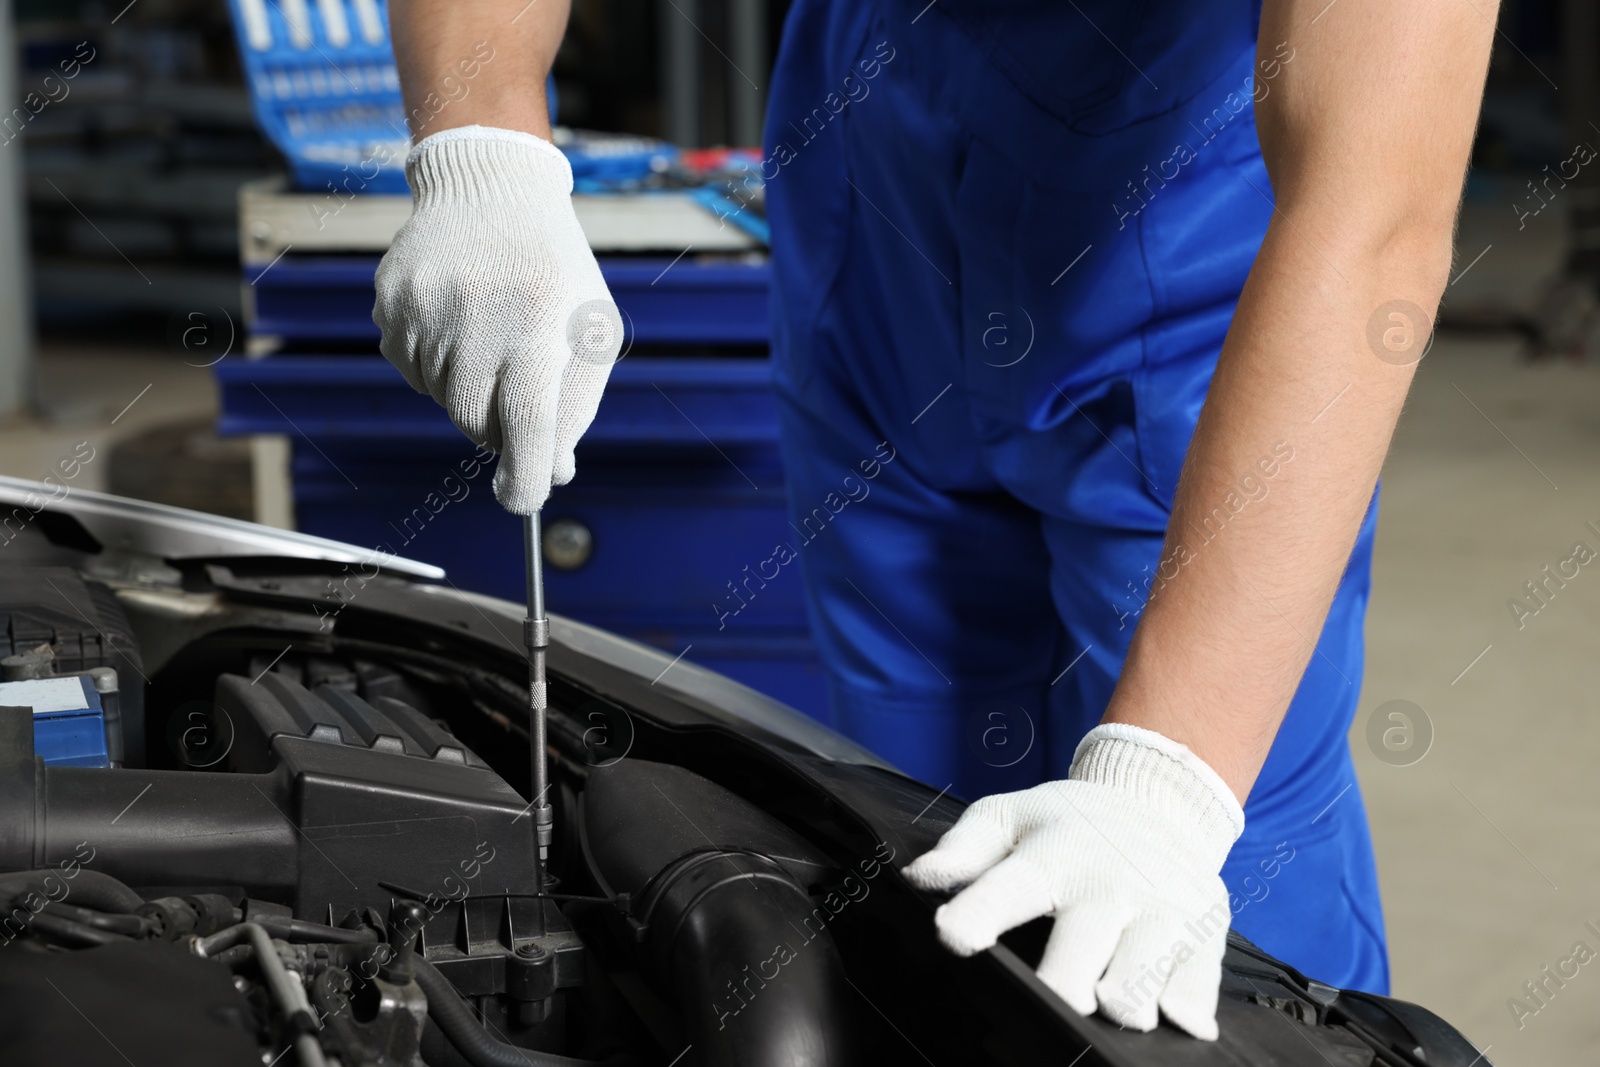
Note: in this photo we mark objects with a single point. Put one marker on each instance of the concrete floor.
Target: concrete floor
(1487, 850)
(1487, 846)
(101, 394)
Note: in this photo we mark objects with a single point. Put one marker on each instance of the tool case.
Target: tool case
(325, 91)
(324, 88)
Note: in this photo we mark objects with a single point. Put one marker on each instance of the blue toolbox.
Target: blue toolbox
(324, 88)
(325, 91)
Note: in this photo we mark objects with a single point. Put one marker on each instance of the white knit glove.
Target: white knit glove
(490, 300)
(1125, 853)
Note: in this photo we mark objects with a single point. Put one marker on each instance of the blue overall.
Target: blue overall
(1008, 238)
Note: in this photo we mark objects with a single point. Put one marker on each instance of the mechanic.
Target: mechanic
(1134, 291)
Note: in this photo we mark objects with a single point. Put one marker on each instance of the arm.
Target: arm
(433, 37)
(1366, 136)
(489, 298)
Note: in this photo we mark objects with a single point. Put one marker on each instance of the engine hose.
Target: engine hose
(87, 889)
(300, 930)
(456, 1020)
(127, 925)
(73, 932)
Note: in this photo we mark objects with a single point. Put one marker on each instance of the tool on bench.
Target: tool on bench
(536, 635)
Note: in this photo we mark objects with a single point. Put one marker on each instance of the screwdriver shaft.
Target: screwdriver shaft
(536, 635)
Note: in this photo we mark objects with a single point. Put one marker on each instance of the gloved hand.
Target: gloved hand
(490, 300)
(1125, 853)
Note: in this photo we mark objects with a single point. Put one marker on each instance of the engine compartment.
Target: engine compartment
(311, 843)
(325, 795)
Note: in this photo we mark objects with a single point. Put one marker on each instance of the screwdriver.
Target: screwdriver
(536, 635)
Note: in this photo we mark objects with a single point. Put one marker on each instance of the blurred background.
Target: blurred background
(194, 195)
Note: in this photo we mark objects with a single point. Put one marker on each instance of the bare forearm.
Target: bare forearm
(1367, 148)
(1277, 481)
(476, 62)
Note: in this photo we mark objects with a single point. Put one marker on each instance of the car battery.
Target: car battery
(69, 717)
(57, 627)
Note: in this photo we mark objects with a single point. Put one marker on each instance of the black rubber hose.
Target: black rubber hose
(75, 933)
(477, 1047)
(127, 925)
(87, 889)
(300, 930)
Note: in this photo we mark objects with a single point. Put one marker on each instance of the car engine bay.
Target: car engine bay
(314, 815)
(274, 810)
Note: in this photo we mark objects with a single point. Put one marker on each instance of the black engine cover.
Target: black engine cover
(379, 795)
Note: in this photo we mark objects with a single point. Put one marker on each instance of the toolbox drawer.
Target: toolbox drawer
(674, 539)
(310, 299)
(650, 400)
